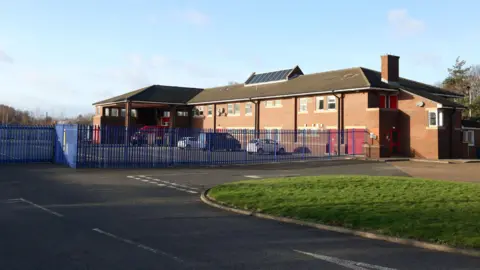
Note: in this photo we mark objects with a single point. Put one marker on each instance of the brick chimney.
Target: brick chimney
(390, 69)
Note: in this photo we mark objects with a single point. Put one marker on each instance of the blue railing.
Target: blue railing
(26, 144)
(119, 147)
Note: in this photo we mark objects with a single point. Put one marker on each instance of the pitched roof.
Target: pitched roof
(301, 85)
(156, 93)
(343, 79)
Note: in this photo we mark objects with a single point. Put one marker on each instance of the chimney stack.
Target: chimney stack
(390, 68)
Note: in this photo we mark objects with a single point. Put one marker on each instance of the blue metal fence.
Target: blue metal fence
(120, 147)
(66, 145)
(26, 144)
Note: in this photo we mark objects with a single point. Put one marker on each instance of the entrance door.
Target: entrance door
(394, 142)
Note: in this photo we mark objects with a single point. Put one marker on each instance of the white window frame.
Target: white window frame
(182, 113)
(317, 104)
(107, 111)
(114, 112)
(467, 135)
(236, 108)
(134, 113)
(438, 118)
(329, 101)
(230, 108)
(248, 108)
(210, 110)
(274, 103)
(303, 105)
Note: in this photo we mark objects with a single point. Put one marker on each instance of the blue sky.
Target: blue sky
(61, 56)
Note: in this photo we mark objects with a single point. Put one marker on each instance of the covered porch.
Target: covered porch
(156, 105)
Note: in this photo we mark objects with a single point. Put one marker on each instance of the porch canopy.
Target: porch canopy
(154, 96)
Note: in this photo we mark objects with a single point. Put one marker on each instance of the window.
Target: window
(320, 103)
(432, 119)
(469, 137)
(382, 101)
(114, 112)
(122, 112)
(182, 113)
(133, 113)
(236, 109)
(107, 112)
(198, 111)
(393, 102)
(166, 114)
(248, 108)
(273, 103)
(99, 110)
(435, 118)
(233, 109)
(331, 103)
(303, 104)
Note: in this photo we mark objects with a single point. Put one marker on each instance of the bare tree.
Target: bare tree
(474, 79)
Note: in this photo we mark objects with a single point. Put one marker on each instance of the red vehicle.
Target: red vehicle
(150, 135)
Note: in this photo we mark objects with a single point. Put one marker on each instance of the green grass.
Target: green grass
(435, 211)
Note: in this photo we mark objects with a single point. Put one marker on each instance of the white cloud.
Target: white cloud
(194, 17)
(4, 57)
(403, 25)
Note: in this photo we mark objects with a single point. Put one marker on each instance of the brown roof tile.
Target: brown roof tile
(302, 85)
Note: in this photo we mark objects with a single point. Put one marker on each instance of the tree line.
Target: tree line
(465, 80)
(12, 116)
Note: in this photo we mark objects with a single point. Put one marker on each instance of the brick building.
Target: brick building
(403, 117)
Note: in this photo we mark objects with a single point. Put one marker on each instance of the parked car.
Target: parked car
(151, 135)
(261, 146)
(219, 141)
(190, 142)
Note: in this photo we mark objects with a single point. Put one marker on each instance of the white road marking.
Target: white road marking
(177, 174)
(170, 183)
(345, 263)
(162, 183)
(40, 207)
(13, 200)
(253, 176)
(144, 247)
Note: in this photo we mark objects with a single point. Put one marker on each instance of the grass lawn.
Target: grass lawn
(435, 211)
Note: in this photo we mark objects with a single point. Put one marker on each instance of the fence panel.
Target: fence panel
(153, 147)
(26, 144)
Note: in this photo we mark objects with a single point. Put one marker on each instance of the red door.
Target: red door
(394, 141)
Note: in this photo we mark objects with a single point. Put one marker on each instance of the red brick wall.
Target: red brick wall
(419, 140)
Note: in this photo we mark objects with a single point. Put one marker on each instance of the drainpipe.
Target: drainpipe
(257, 117)
(338, 122)
(452, 126)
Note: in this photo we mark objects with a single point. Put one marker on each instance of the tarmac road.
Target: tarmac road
(59, 218)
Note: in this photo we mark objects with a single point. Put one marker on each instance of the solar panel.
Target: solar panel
(269, 76)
